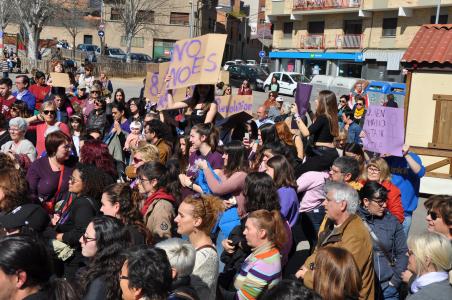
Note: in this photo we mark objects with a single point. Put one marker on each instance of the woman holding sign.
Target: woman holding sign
(202, 104)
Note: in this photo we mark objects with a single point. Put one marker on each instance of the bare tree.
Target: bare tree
(32, 15)
(135, 16)
(5, 14)
(72, 20)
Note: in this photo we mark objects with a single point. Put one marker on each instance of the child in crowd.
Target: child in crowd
(134, 137)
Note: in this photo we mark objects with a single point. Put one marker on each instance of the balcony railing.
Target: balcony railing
(349, 41)
(313, 41)
(325, 4)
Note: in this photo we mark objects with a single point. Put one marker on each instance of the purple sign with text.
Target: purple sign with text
(302, 96)
(384, 130)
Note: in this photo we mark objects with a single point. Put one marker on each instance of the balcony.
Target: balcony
(349, 41)
(325, 4)
(313, 41)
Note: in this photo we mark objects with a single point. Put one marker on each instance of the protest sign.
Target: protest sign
(302, 96)
(224, 77)
(196, 61)
(384, 130)
(232, 104)
(60, 79)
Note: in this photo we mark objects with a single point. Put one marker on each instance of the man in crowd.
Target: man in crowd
(6, 98)
(22, 93)
(155, 132)
(344, 229)
(262, 116)
(345, 169)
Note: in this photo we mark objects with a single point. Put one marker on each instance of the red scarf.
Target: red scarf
(159, 194)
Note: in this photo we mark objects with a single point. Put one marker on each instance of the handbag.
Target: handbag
(49, 205)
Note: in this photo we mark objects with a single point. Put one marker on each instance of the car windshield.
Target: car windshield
(297, 77)
(116, 51)
(91, 48)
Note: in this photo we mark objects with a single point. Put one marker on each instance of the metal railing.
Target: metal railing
(313, 41)
(325, 4)
(349, 41)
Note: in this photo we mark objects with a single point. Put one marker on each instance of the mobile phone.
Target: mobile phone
(247, 135)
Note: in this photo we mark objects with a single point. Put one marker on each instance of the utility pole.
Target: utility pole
(438, 8)
(192, 19)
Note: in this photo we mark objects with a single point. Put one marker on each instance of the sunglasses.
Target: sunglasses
(48, 112)
(359, 104)
(95, 92)
(433, 215)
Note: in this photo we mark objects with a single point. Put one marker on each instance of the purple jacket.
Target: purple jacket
(289, 204)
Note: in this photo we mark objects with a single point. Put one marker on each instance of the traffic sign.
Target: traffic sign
(101, 26)
(261, 53)
(101, 33)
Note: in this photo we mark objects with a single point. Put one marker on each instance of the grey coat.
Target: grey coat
(435, 291)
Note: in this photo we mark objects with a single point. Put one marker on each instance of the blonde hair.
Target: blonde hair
(207, 208)
(431, 246)
(47, 104)
(380, 164)
(272, 223)
(148, 152)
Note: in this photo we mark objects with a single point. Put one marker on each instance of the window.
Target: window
(137, 42)
(442, 19)
(179, 18)
(389, 27)
(146, 16)
(316, 27)
(287, 29)
(286, 78)
(115, 14)
(353, 26)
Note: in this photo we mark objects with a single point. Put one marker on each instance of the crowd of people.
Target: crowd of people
(104, 197)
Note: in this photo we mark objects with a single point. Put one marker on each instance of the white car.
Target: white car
(228, 64)
(287, 82)
(251, 62)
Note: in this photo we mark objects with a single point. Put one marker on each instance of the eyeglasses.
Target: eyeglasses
(73, 179)
(373, 170)
(433, 215)
(123, 277)
(48, 112)
(380, 202)
(14, 130)
(335, 171)
(87, 239)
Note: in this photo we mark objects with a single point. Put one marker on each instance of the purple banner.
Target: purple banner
(302, 96)
(384, 130)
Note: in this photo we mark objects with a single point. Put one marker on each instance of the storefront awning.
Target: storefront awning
(392, 57)
(354, 56)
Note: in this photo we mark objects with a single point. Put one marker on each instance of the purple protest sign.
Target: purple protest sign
(302, 96)
(384, 130)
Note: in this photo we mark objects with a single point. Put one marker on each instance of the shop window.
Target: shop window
(442, 19)
(287, 29)
(316, 27)
(389, 27)
(179, 18)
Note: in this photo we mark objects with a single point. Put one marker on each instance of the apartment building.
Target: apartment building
(351, 38)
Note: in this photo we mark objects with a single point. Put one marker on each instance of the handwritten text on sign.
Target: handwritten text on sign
(196, 61)
(230, 105)
(384, 130)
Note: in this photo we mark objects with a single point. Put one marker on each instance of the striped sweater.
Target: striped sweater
(260, 271)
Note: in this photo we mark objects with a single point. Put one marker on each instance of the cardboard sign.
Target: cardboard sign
(196, 61)
(302, 96)
(60, 79)
(384, 130)
(223, 77)
(232, 104)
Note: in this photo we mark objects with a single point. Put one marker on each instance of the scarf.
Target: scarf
(427, 279)
(359, 113)
(159, 194)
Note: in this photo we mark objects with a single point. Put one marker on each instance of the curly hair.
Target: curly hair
(14, 187)
(207, 208)
(112, 237)
(94, 180)
(129, 211)
(96, 153)
(260, 192)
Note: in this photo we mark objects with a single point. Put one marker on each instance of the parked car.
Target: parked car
(228, 64)
(254, 74)
(239, 62)
(287, 82)
(115, 53)
(251, 62)
(90, 50)
(63, 44)
(139, 57)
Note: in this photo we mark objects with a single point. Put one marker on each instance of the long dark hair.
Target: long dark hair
(164, 175)
(94, 180)
(111, 239)
(237, 159)
(372, 189)
(121, 91)
(178, 155)
(327, 106)
(283, 172)
(129, 211)
(260, 192)
(196, 97)
(210, 132)
(268, 133)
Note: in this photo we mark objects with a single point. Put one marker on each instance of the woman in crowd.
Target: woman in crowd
(271, 100)
(119, 96)
(135, 110)
(106, 83)
(94, 152)
(196, 217)
(159, 208)
(94, 95)
(102, 244)
(388, 238)
(359, 111)
(87, 78)
(77, 130)
(19, 145)
(245, 88)
(143, 154)
(336, 275)
(181, 152)
(204, 140)
(342, 108)
(97, 118)
(321, 152)
(19, 109)
(202, 104)
(274, 86)
(430, 257)
(48, 176)
(439, 215)
(77, 210)
(47, 118)
(282, 174)
(119, 200)
(292, 141)
(356, 151)
(265, 233)
(13, 186)
(378, 170)
(227, 90)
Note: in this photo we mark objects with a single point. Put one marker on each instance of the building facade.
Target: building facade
(350, 38)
